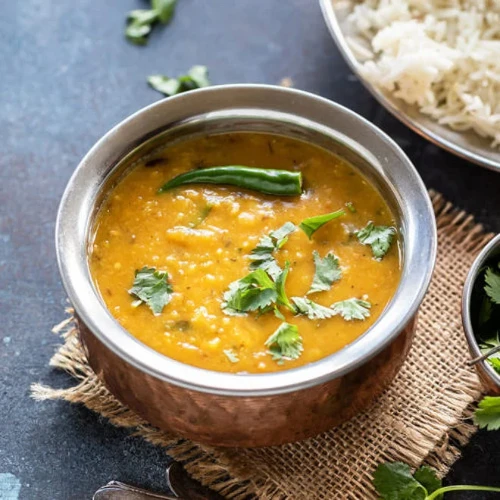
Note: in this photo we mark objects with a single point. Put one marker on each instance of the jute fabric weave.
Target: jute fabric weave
(422, 417)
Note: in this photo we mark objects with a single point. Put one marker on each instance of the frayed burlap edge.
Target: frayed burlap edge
(203, 462)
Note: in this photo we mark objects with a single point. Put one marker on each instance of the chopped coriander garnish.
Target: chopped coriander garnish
(262, 255)
(231, 355)
(350, 206)
(352, 309)
(197, 77)
(285, 343)
(202, 215)
(394, 481)
(283, 299)
(254, 292)
(492, 288)
(311, 309)
(327, 271)
(312, 224)
(152, 288)
(379, 238)
(140, 22)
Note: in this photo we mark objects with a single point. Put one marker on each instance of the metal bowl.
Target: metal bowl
(467, 145)
(489, 377)
(258, 409)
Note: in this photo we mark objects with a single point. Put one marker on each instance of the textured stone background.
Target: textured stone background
(67, 76)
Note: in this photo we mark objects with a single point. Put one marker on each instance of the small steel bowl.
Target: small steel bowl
(489, 377)
(258, 409)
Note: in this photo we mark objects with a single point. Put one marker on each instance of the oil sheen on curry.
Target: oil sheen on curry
(245, 252)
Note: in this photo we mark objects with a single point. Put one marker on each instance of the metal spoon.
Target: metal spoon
(183, 486)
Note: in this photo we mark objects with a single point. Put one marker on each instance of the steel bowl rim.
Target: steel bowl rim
(89, 308)
(472, 275)
(450, 146)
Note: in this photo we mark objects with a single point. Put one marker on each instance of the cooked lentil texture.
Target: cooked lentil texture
(202, 235)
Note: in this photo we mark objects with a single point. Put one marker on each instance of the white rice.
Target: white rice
(440, 55)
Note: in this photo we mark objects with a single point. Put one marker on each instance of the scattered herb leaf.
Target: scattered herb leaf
(231, 355)
(311, 309)
(327, 271)
(352, 309)
(394, 481)
(140, 22)
(196, 78)
(492, 288)
(262, 255)
(254, 292)
(487, 415)
(312, 224)
(285, 343)
(378, 237)
(152, 288)
(165, 9)
(139, 25)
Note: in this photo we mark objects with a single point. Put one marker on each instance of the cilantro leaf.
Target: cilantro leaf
(196, 78)
(352, 309)
(282, 298)
(312, 224)
(140, 22)
(231, 355)
(285, 343)
(487, 415)
(378, 237)
(256, 291)
(165, 9)
(327, 271)
(262, 255)
(394, 481)
(153, 288)
(427, 477)
(311, 309)
(492, 288)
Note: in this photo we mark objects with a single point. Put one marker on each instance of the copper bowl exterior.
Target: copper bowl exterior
(489, 377)
(256, 409)
(247, 421)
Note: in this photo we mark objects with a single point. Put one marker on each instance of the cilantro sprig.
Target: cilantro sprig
(312, 224)
(152, 288)
(327, 271)
(197, 77)
(379, 238)
(352, 309)
(311, 309)
(395, 481)
(262, 256)
(256, 291)
(140, 22)
(285, 343)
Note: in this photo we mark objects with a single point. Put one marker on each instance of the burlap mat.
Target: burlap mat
(422, 417)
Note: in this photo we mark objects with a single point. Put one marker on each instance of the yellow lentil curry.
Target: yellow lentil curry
(311, 296)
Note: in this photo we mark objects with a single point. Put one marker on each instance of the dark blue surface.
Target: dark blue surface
(67, 76)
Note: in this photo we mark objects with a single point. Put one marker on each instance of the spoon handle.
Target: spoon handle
(115, 490)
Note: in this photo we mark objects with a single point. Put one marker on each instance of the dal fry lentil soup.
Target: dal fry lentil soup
(190, 243)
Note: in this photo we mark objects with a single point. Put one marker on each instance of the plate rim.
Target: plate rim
(335, 30)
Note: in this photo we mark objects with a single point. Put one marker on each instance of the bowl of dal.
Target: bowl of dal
(246, 262)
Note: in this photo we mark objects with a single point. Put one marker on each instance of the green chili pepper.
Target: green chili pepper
(264, 180)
